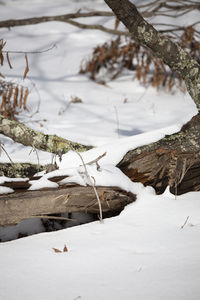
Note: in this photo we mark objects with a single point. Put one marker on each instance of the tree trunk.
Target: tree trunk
(23, 205)
(173, 161)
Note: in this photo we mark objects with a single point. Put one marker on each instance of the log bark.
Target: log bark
(27, 136)
(23, 205)
(15, 170)
(173, 160)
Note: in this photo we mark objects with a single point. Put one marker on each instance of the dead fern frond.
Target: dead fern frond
(8, 60)
(27, 67)
(123, 55)
(13, 97)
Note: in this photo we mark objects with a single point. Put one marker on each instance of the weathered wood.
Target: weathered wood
(22, 205)
(173, 161)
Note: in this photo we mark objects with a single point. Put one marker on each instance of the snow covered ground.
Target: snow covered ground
(149, 251)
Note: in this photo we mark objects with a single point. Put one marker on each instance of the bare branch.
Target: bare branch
(92, 183)
(98, 27)
(154, 8)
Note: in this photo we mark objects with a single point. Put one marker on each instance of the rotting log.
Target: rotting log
(173, 160)
(23, 205)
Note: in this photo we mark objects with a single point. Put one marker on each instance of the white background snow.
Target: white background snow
(144, 253)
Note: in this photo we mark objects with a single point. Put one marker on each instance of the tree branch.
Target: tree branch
(172, 54)
(29, 137)
(154, 8)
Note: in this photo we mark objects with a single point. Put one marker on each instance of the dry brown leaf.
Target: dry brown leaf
(21, 97)
(117, 21)
(10, 93)
(8, 60)
(76, 100)
(27, 67)
(16, 93)
(25, 98)
(3, 103)
(1, 58)
(56, 250)
(65, 249)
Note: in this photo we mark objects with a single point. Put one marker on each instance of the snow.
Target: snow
(42, 183)
(151, 250)
(5, 190)
(141, 254)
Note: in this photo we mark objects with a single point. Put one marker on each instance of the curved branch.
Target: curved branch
(147, 11)
(98, 27)
(171, 54)
(29, 137)
(61, 18)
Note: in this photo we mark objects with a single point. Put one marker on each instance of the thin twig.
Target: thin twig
(151, 9)
(98, 199)
(117, 121)
(95, 161)
(91, 183)
(31, 52)
(12, 163)
(53, 218)
(185, 222)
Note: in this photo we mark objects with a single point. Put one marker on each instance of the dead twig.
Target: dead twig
(93, 184)
(185, 222)
(95, 161)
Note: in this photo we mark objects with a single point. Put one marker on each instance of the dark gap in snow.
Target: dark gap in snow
(33, 226)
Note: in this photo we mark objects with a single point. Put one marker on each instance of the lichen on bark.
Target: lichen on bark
(24, 170)
(30, 137)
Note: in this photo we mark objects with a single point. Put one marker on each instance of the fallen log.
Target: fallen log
(18, 206)
(172, 161)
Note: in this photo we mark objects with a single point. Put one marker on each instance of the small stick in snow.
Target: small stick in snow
(185, 222)
(95, 161)
(92, 184)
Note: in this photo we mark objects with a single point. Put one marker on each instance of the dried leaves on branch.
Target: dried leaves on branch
(127, 55)
(13, 95)
(112, 58)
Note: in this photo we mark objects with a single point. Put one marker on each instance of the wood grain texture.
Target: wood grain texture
(22, 205)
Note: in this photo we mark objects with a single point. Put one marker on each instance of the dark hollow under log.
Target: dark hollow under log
(23, 205)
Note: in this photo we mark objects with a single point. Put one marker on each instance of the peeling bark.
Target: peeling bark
(173, 160)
